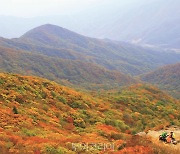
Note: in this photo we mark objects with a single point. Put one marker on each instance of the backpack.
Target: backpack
(164, 135)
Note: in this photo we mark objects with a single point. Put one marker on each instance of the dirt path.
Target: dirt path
(154, 136)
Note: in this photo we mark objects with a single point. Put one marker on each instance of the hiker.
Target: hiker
(163, 136)
(172, 136)
(168, 138)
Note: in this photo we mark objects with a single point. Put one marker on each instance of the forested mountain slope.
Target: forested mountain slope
(167, 78)
(55, 41)
(68, 72)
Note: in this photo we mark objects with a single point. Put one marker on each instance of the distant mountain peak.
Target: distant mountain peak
(49, 25)
(52, 35)
(48, 28)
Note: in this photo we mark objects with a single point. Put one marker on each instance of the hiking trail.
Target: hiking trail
(154, 137)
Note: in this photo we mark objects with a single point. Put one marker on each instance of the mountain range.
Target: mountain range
(157, 22)
(55, 41)
(72, 59)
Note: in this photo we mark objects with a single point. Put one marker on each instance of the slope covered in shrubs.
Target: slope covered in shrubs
(40, 116)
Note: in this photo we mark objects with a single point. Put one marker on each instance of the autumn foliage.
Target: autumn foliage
(41, 116)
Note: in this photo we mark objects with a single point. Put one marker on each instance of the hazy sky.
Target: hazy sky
(31, 8)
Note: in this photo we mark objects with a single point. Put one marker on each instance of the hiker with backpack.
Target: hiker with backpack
(168, 138)
(163, 136)
(171, 138)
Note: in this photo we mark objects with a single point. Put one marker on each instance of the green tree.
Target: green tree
(15, 111)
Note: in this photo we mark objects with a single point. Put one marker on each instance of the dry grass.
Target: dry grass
(161, 148)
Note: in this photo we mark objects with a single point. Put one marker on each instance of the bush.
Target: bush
(28, 132)
(121, 125)
(79, 123)
(122, 146)
(20, 99)
(9, 145)
(116, 136)
(61, 99)
(15, 111)
(51, 150)
(59, 105)
(110, 122)
(60, 150)
(53, 94)
(76, 105)
(43, 95)
(45, 107)
(134, 132)
(117, 123)
(1, 81)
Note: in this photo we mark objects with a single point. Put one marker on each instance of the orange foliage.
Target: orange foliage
(53, 115)
(107, 128)
(135, 150)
